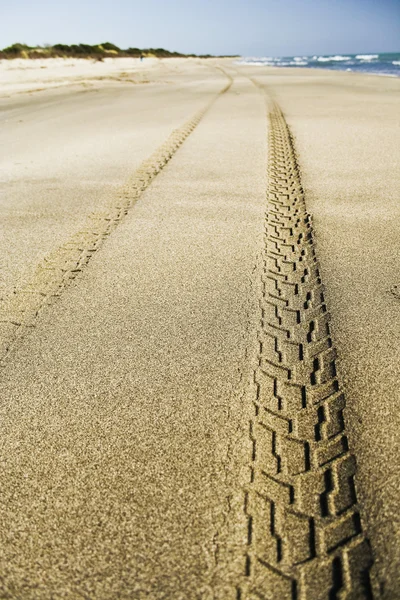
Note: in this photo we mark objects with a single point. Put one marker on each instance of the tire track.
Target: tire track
(19, 311)
(305, 538)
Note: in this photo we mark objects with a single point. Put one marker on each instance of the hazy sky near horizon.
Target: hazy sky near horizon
(252, 28)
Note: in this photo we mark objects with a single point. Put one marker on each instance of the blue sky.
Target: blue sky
(251, 28)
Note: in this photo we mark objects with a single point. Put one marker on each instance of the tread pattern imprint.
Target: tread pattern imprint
(19, 311)
(305, 539)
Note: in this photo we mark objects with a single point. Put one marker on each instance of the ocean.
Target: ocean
(380, 64)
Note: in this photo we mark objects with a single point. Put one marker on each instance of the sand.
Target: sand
(66, 152)
(125, 448)
(20, 76)
(347, 136)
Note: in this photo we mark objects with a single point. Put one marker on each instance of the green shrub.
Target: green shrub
(98, 51)
(16, 49)
(109, 46)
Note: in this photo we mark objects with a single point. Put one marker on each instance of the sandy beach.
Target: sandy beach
(185, 246)
(25, 76)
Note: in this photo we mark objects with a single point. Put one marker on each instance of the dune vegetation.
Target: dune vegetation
(97, 52)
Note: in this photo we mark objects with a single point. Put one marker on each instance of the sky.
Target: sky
(248, 28)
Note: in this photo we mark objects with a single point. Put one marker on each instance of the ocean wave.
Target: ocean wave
(384, 64)
(256, 63)
(258, 60)
(367, 56)
(290, 63)
(274, 62)
(338, 57)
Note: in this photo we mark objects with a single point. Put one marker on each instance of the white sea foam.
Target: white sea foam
(372, 63)
(256, 60)
(367, 56)
(262, 58)
(338, 57)
(292, 63)
(273, 62)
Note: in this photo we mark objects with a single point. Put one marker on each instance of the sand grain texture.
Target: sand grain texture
(347, 137)
(125, 451)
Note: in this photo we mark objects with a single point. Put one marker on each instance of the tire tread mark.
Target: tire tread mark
(18, 311)
(306, 537)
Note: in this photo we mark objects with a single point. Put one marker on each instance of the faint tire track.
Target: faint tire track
(19, 311)
(305, 538)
